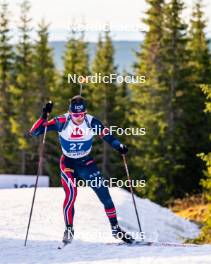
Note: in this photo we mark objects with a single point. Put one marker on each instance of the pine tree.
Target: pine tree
(169, 105)
(23, 91)
(199, 46)
(45, 73)
(201, 74)
(45, 83)
(105, 94)
(149, 108)
(177, 110)
(176, 76)
(205, 235)
(121, 116)
(122, 104)
(195, 120)
(7, 141)
(75, 62)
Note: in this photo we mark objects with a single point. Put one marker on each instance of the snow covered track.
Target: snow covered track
(93, 242)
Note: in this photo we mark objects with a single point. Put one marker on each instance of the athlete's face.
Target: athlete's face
(78, 118)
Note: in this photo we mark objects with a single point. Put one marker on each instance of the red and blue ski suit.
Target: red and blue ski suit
(75, 162)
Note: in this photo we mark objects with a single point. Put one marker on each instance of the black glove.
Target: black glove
(123, 149)
(47, 109)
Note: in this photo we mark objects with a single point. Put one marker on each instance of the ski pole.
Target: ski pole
(81, 88)
(131, 190)
(81, 85)
(41, 151)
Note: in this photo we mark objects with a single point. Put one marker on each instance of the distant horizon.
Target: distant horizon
(124, 56)
(121, 40)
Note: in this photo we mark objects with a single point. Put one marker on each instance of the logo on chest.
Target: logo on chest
(77, 133)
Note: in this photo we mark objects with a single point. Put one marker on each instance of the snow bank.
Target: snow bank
(92, 230)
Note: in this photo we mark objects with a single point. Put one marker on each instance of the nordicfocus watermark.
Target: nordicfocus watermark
(105, 27)
(111, 78)
(97, 181)
(128, 131)
(102, 235)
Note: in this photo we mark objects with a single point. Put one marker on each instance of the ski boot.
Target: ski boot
(68, 235)
(118, 233)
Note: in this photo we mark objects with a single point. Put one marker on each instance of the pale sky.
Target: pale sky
(123, 16)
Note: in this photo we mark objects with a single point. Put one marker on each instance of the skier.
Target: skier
(75, 129)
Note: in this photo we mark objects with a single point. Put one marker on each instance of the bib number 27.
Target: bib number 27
(76, 146)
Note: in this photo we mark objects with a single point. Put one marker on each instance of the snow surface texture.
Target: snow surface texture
(92, 230)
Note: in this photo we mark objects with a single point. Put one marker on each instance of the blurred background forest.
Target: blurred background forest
(173, 105)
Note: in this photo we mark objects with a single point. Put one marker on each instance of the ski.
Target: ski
(134, 243)
(157, 244)
(142, 243)
(171, 244)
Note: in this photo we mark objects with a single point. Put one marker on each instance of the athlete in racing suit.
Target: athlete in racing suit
(76, 129)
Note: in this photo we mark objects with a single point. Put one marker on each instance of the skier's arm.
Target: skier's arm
(54, 124)
(105, 134)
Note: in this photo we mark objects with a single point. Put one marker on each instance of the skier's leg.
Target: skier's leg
(70, 189)
(104, 196)
(89, 171)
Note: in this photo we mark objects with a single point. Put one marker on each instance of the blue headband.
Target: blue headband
(77, 107)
